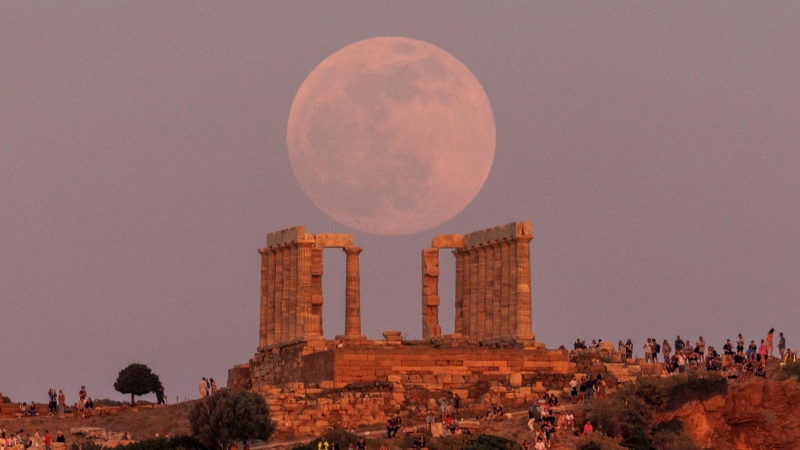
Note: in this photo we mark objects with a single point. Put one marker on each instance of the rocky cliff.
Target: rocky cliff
(755, 414)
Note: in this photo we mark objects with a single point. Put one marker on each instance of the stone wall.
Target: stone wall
(420, 363)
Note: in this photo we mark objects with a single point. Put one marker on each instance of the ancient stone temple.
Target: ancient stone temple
(493, 283)
(291, 286)
(493, 343)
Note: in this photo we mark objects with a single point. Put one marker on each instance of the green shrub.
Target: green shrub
(597, 441)
(637, 440)
(669, 394)
(86, 445)
(791, 369)
(667, 440)
(674, 425)
(619, 414)
(107, 402)
(473, 442)
(227, 416)
(6, 400)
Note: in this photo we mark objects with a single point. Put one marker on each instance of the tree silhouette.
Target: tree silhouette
(137, 379)
(227, 417)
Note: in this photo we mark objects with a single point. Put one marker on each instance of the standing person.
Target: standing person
(213, 385)
(47, 441)
(160, 399)
(770, 337)
(740, 344)
(648, 351)
(666, 349)
(203, 388)
(762, 352)
(52, 405)
(443, 407)
(678, 344)
(629, 349)
(62, 401)
(656, 350)
(702, 345)
(457, 406)
(82, 394)
(782, 346)
(621, 349)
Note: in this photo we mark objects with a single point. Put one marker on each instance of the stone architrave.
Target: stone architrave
(459, 326)
(523, 286)
(352, 327)
(263, 334)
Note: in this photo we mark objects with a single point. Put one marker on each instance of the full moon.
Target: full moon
(391, 136)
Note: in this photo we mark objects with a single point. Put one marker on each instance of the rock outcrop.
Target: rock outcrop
(755, 414)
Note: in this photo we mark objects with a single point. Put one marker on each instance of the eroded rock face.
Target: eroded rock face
(756, 414)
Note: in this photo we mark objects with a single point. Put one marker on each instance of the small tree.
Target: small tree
(226, 417)
(137, 379)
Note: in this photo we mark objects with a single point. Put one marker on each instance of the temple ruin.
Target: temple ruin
(492, 343)
(291, 286)
(493, 283)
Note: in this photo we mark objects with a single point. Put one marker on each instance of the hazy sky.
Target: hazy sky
(655, 147)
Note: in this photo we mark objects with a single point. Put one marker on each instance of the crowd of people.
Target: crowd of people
(550, 421)
(10, 440)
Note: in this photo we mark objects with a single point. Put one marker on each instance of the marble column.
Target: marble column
(280, 305)
(473, 294)
(524, 286)
(272, 305)
(304, 288)
(263, 335)
(497, 304)
(430, 293)
(481, 288)
(459, 325)
(352, 326)
(286, 307)
(316, 292)
(488, 287)
(504, 289)
(294, 332)
(512, 283)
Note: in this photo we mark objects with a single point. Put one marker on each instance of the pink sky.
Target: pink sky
(655, 147)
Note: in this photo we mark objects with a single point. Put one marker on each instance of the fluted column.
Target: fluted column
(505, 319)
(272, 305)
(294, 332)
(488, 286)
(459, 325)
(497, 300)
(280, 307)
(430, 293)
(316, 292)
(523, 286)
(263, 321)
(286, 312)
(512, 284)
(304, 288)
(473, 294)
(481, 292)
(352, 326)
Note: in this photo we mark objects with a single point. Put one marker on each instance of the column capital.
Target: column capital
(353, 250)
(523, 239)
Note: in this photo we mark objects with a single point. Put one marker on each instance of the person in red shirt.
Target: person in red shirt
(47, 440)
(588, 428)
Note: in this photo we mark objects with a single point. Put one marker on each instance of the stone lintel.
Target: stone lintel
(448, 241)
(333, 240)
(512, 230)
(286, 236)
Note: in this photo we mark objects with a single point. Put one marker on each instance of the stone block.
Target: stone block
(515, 379)
(448, 241)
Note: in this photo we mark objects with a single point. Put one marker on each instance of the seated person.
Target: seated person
(761, 371)
(738, 358)
(732, 374)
